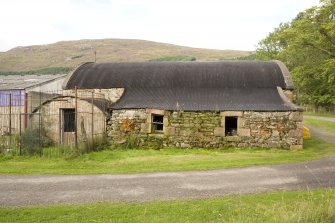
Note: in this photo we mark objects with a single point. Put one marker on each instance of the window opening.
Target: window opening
(69, 116)
(231, 126)
(157, 123)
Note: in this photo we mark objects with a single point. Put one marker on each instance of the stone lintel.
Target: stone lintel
(231, 113)
(155, 111)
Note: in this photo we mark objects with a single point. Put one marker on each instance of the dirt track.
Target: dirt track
(55, 189)
(320, 133)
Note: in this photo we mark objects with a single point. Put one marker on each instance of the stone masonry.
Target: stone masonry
(207, 129)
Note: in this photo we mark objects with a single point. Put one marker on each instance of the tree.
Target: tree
(307, 46)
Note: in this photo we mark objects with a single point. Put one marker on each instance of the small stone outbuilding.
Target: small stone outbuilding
(197, 104)
(60, 120)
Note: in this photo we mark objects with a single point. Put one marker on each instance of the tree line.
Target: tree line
(48, 70)
(307, 46)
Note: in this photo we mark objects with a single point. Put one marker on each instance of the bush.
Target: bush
(32, 141)
(96, 144)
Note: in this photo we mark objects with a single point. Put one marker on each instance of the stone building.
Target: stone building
(61, 122)
(197, 104)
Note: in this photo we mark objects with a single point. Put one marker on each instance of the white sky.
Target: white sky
(216, 24)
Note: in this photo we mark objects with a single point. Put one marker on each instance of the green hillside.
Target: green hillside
(73, 53)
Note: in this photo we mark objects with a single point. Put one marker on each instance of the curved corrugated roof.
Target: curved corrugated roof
(227, 85)
(100, 103)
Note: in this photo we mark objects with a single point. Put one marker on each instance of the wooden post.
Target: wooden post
(75, 120)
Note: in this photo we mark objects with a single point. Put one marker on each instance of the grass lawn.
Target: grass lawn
(325, 114)
(141, 160)
(307, 206)
(322, 124)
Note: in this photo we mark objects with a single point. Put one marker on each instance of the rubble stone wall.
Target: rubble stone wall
(207, 129)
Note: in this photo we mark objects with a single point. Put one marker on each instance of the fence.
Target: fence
(52, 123)
(319, 109)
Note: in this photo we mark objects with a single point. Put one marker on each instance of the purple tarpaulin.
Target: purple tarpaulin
(16, 95)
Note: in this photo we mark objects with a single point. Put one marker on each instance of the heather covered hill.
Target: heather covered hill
(72, 53)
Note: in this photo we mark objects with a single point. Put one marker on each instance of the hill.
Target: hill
(72, 53)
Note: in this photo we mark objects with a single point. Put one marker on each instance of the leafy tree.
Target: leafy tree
(307, 46)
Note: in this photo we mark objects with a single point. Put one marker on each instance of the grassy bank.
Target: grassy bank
(308, 206)
(141, 160)
(322, 124)
(325, 114)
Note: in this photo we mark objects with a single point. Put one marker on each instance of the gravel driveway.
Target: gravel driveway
(320, 118)
(320, 133)
(55, 189)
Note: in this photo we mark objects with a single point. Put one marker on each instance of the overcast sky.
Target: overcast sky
(216, 24)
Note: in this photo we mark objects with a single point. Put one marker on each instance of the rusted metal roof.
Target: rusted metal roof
(21, 82)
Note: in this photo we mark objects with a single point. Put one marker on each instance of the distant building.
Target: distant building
(20, 94)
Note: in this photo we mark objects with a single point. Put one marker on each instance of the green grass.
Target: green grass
(304, 207)
(325, 114)
(322, 124)
(141, 160)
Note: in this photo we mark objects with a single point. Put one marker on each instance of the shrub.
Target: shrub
(96, 144)
(32, 140)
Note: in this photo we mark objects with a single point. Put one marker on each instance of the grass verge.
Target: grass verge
(325, 114)
(141, 160)
(307, 206)
(322, 124)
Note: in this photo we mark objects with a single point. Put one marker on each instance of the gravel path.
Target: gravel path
(55, 189)
(320, 133)
(320, 118)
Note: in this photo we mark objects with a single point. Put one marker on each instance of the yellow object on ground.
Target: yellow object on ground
(306, 134)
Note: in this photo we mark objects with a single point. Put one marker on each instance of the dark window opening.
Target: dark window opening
(69, 117)
(231, 126)
(157, 123)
